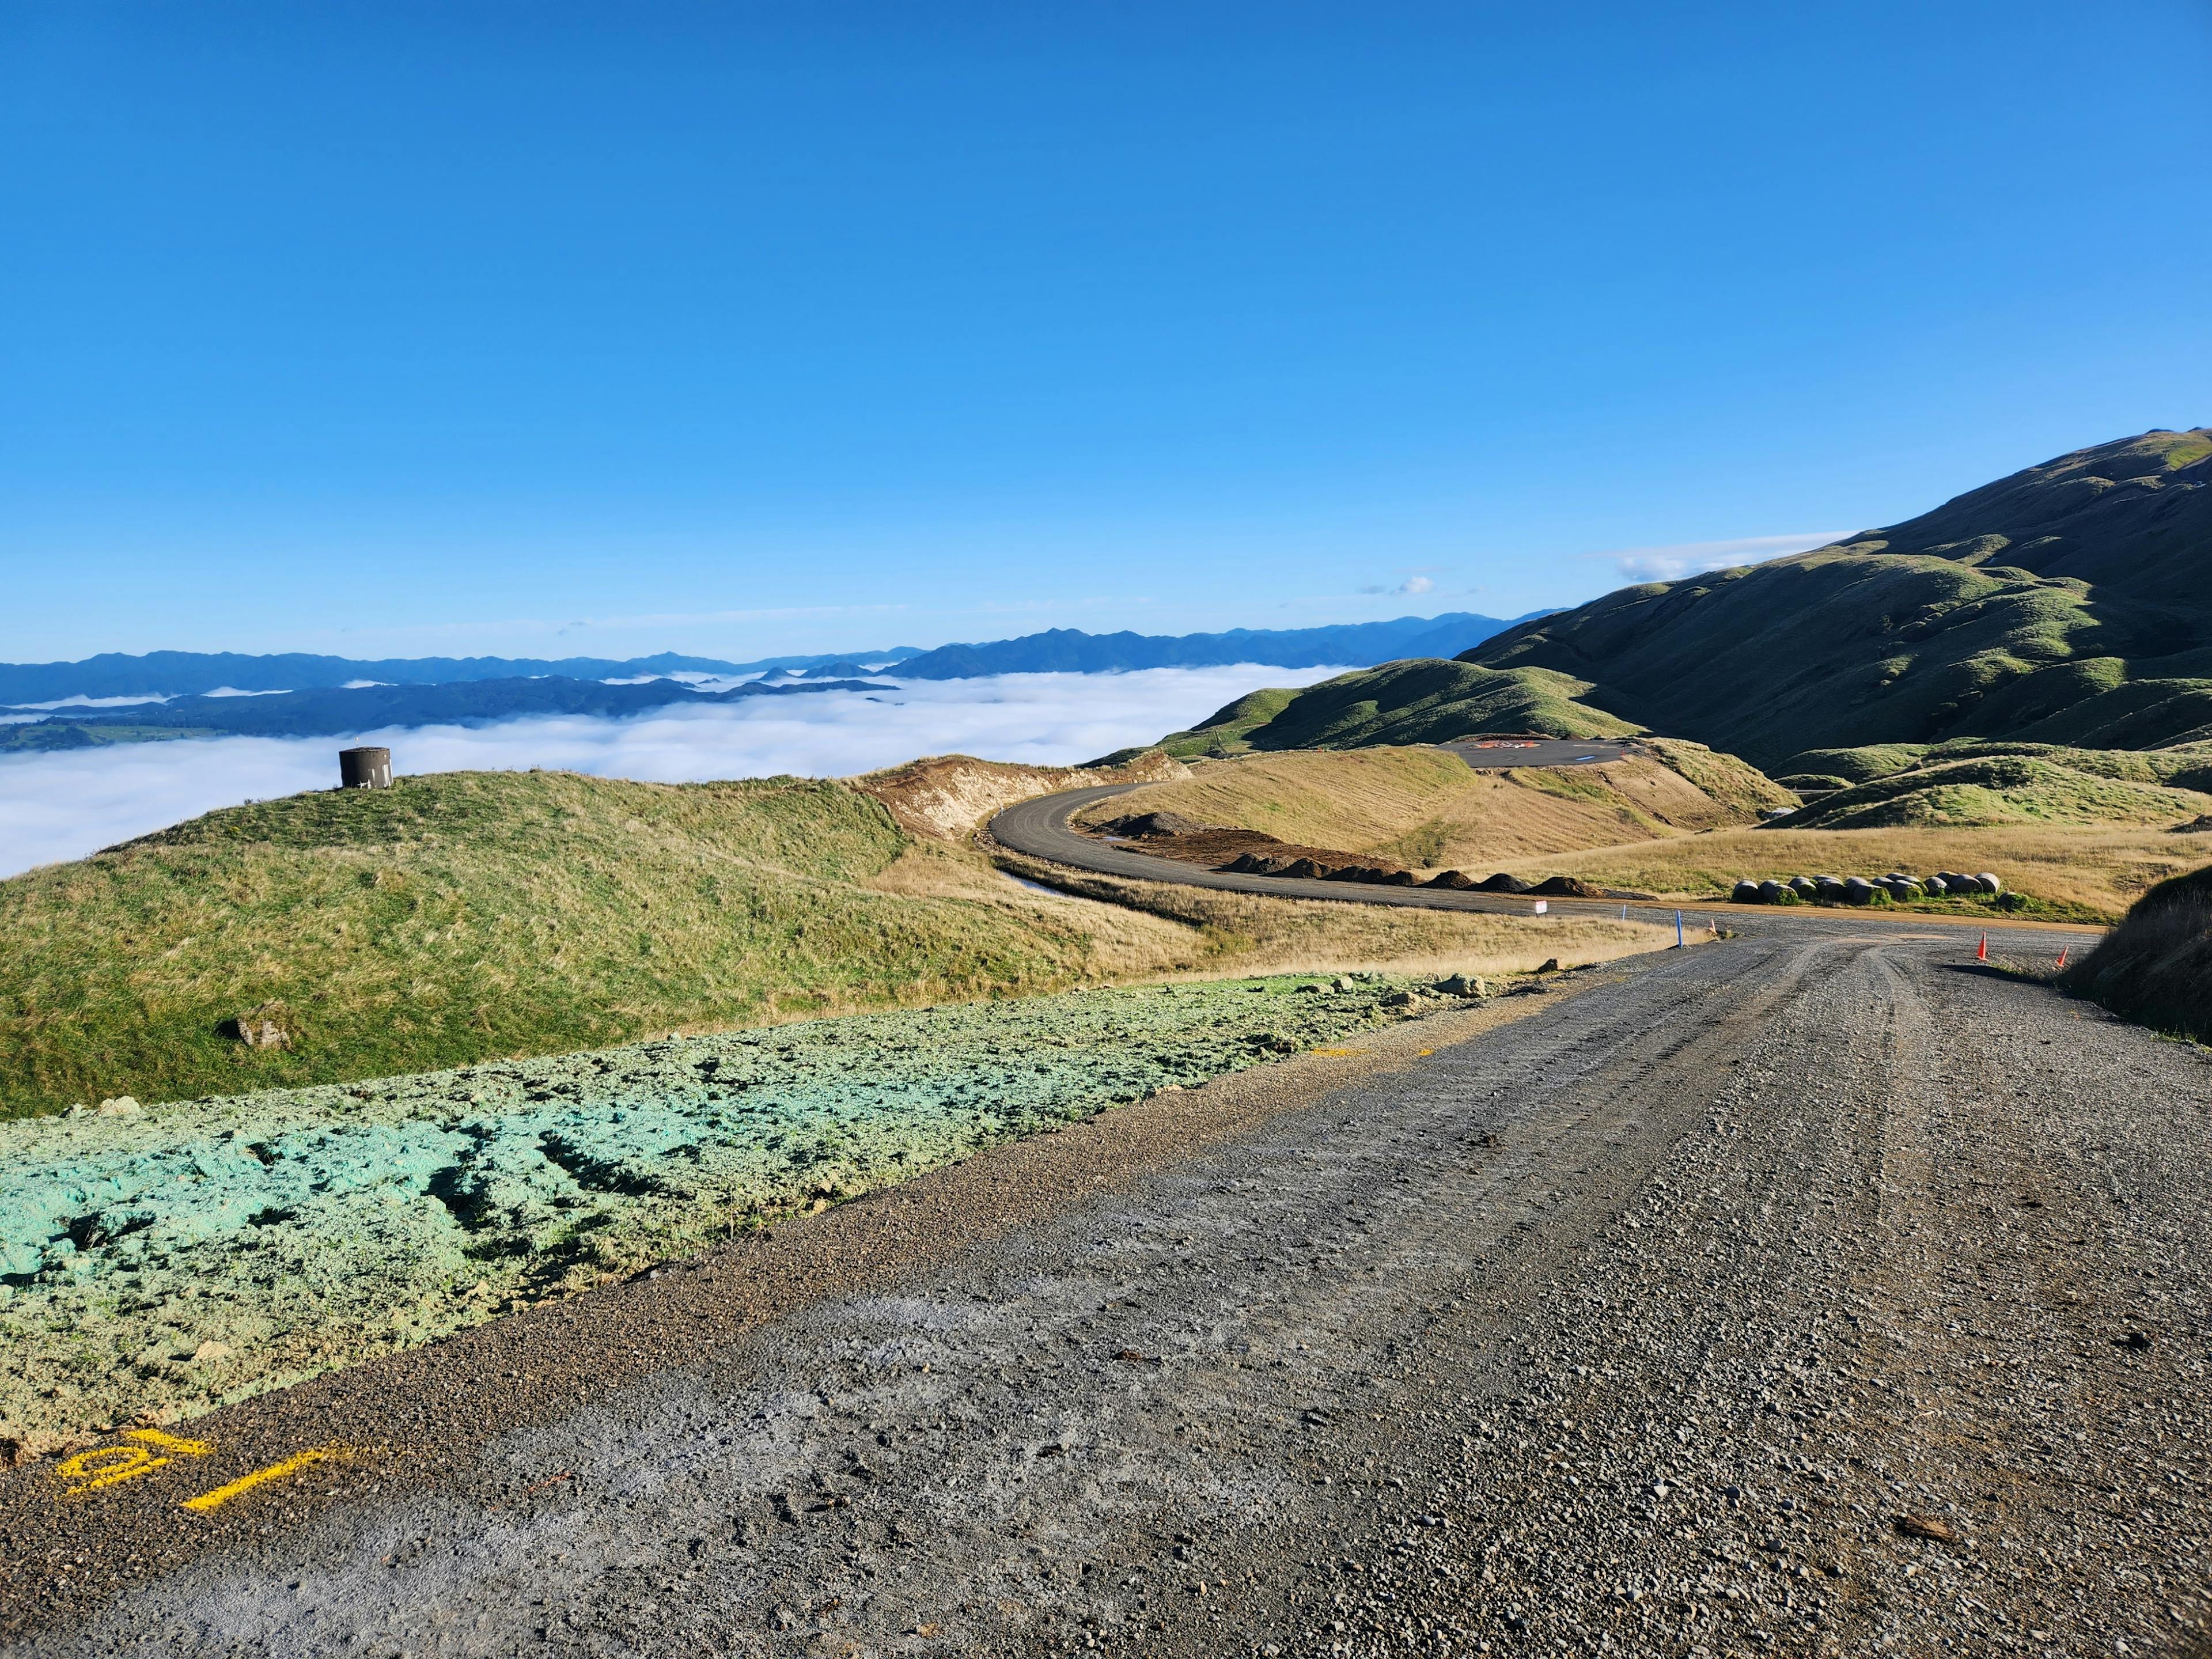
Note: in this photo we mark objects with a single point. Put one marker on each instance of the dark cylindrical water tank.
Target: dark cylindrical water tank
(365, 768)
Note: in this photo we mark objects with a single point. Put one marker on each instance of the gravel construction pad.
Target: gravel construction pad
(154, 1265)
(1811, 1293)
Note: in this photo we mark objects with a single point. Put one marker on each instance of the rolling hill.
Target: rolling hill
(2069, 604)
(1425, 809)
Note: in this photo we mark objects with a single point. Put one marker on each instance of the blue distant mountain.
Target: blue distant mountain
(1061, 650)
(186, 673)
(302, 695)
(328, 713)
(1349, 645)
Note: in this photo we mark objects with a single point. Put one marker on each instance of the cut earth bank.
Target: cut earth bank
(161, 1262)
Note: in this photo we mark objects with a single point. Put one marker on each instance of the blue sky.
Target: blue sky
(411, 329)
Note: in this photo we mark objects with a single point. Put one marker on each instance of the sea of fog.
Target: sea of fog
(66, 805)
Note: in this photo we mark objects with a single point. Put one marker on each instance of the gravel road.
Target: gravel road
(1634, 1326)
(1039, 828)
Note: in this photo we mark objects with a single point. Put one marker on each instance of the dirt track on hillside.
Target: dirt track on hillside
(1641, 1322)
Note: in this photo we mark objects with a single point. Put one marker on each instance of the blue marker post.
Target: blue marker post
(1678, 930)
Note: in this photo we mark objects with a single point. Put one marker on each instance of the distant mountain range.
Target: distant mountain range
(185, 674)
(302, 695)
(330, 712)
(2068, 604)
(1070, 651)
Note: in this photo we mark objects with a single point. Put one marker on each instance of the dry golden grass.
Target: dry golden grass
(2093, 871)
(1424, 808)
(1246, 933)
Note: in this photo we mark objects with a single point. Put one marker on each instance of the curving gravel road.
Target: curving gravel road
(1039, 828)
(1641, 1325)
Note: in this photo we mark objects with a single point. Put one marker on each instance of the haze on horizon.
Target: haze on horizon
(382, 331)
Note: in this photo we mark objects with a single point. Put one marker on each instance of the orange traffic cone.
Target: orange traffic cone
(1983, 955)
(2062, 950)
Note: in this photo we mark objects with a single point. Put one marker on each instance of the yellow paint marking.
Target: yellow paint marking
(1338, 1054)
(172, 1442)
(1425, 1054)
(214, 1500)
(106, 1465)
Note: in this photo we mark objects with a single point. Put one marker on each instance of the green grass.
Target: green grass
(1981, 791)
(1228, 730)
(468, 916)
(374, 1217)
(1430, 700)
(1859, 765)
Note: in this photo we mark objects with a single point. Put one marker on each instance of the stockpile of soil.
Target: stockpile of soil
(1147, 826)
(1570, 887)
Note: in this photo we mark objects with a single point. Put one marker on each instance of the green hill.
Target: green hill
(1425, 699)
(2070, 603)
(2058, 621)
(1228, 729)
(478, 913)
(1981, 791)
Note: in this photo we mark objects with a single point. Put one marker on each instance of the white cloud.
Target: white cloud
(1411, 585)
(83, 701)
(1672, 563)
(66, 805)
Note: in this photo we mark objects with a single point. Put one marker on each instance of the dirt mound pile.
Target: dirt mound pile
(1568, 887)
(1147, 826)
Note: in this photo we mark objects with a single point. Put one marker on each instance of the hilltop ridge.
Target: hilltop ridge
(2069, 603)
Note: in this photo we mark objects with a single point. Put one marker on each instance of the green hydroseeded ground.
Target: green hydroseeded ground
(193, 1253)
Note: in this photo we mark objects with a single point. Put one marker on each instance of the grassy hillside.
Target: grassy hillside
(1228, 730)
(1426, 809)
(2070, 603)
(1430, 700)
(474, 913)
(2186, 767)
(2155, 967)
(2000, 789)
